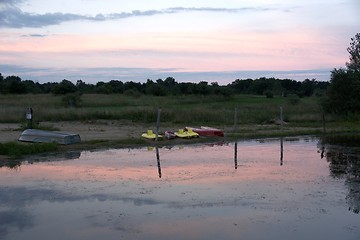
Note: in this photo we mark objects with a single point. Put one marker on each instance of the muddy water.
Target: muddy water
(267, 189)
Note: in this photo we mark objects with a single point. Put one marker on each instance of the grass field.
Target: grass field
(214, 110)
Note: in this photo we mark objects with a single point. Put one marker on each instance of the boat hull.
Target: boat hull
(41, 136)
(208, 131)
(170, 135)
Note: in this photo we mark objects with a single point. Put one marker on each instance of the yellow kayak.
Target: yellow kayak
(186, 134)
(150, 135)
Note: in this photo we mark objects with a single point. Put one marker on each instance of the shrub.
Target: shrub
(71, 100)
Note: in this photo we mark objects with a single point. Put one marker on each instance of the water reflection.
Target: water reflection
(235, 155)
(158, 161)
(16, 163)
(196, 192)
(281, 151)
(344, 163)
(14, 219)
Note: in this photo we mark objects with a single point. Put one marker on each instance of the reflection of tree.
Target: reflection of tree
(16, 163)
(345, 163)
(12, 164)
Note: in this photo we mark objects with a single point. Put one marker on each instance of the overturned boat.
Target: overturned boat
(42, 136)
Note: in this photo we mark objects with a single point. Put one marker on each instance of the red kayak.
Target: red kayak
(208, 131)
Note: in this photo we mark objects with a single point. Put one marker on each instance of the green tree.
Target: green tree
(343, 94)
(13, 85)
(64, 87)
(354, 51)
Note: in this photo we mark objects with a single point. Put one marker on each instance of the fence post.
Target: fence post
(29, 117)
(235, 119)
(323, 120)
(158, 124)
(281, 118)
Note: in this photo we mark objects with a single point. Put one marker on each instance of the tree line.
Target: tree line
(169, 86)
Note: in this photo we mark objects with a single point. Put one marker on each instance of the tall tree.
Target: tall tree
(354, 51)
(344, 91)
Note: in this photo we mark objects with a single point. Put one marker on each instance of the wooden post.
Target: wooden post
(158, 124)
(281, 151)
(281, 118)
(323, 120)
(281, 138)
(29, 117)
(235, 119)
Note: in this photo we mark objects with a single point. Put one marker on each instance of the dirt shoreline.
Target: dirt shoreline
(104, 132)
(120, 131)
(99, 134)
(88, 131)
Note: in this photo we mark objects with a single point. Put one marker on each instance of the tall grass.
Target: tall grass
(215, 110)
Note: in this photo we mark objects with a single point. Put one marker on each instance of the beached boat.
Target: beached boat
(207, 131)
(150, 135)
(42, 136)
(186, 134)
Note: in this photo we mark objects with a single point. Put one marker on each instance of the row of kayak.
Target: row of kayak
(188, 132)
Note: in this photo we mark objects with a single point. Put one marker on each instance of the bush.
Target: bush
(294, 100)
(269, 94)
(71, 100)
(132, 93)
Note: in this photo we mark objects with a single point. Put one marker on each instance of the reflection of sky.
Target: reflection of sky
(118, 194)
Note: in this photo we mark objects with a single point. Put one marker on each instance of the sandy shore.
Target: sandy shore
(90, 130)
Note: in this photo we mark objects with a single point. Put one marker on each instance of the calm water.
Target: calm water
(269, 189)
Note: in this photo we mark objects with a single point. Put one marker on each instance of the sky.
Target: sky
(192, 41)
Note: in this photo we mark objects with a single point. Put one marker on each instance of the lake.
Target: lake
(291, 188)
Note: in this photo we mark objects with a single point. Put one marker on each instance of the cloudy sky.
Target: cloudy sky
(133, 40)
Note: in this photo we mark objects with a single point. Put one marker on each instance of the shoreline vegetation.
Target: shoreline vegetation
(256, 117)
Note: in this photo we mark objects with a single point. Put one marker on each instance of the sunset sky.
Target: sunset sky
(101, 40)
